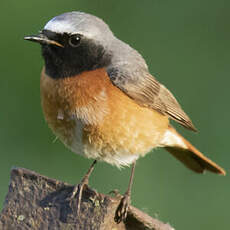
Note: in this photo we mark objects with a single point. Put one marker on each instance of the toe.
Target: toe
(122, 209)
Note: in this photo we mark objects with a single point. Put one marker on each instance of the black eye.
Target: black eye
(75, 40)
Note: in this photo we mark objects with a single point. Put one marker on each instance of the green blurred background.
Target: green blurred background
(186, 45)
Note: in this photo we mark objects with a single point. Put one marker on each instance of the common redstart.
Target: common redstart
(99, 98)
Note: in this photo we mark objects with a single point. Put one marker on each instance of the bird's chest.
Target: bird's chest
(70, 105)
(93, 117)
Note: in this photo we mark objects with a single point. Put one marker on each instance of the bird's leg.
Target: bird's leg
(122, 209)
(78, 189)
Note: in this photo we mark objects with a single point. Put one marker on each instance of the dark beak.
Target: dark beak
(42, 39)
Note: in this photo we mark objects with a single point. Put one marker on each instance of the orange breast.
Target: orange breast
(96, 119)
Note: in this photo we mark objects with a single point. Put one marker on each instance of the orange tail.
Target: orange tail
(185, 152)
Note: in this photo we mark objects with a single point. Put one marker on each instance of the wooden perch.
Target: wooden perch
(35, 202)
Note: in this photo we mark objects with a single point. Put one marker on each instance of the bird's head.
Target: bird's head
(74, 42)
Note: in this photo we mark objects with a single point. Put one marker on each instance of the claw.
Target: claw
(78, 189)
(122, 209)
(77, 192)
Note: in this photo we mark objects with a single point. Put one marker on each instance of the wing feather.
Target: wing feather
(148, 92)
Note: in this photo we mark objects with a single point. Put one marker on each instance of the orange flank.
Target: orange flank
(108, 122)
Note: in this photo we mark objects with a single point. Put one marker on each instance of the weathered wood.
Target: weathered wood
(36, 202)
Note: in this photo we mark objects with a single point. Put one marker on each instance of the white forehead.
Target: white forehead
(78, 22)
(62, 26)
(59, 26)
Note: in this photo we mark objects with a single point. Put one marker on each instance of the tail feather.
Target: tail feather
(185, 152)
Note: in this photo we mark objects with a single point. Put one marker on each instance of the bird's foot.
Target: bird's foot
(77, 192)
(78, 189)
(122, 209)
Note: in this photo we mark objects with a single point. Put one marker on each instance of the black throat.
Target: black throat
(71, 61)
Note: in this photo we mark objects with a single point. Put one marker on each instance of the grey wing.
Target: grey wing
(148, 92)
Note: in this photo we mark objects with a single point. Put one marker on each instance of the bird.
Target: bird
(101, 101)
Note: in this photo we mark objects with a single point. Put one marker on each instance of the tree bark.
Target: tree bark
(35, 202)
